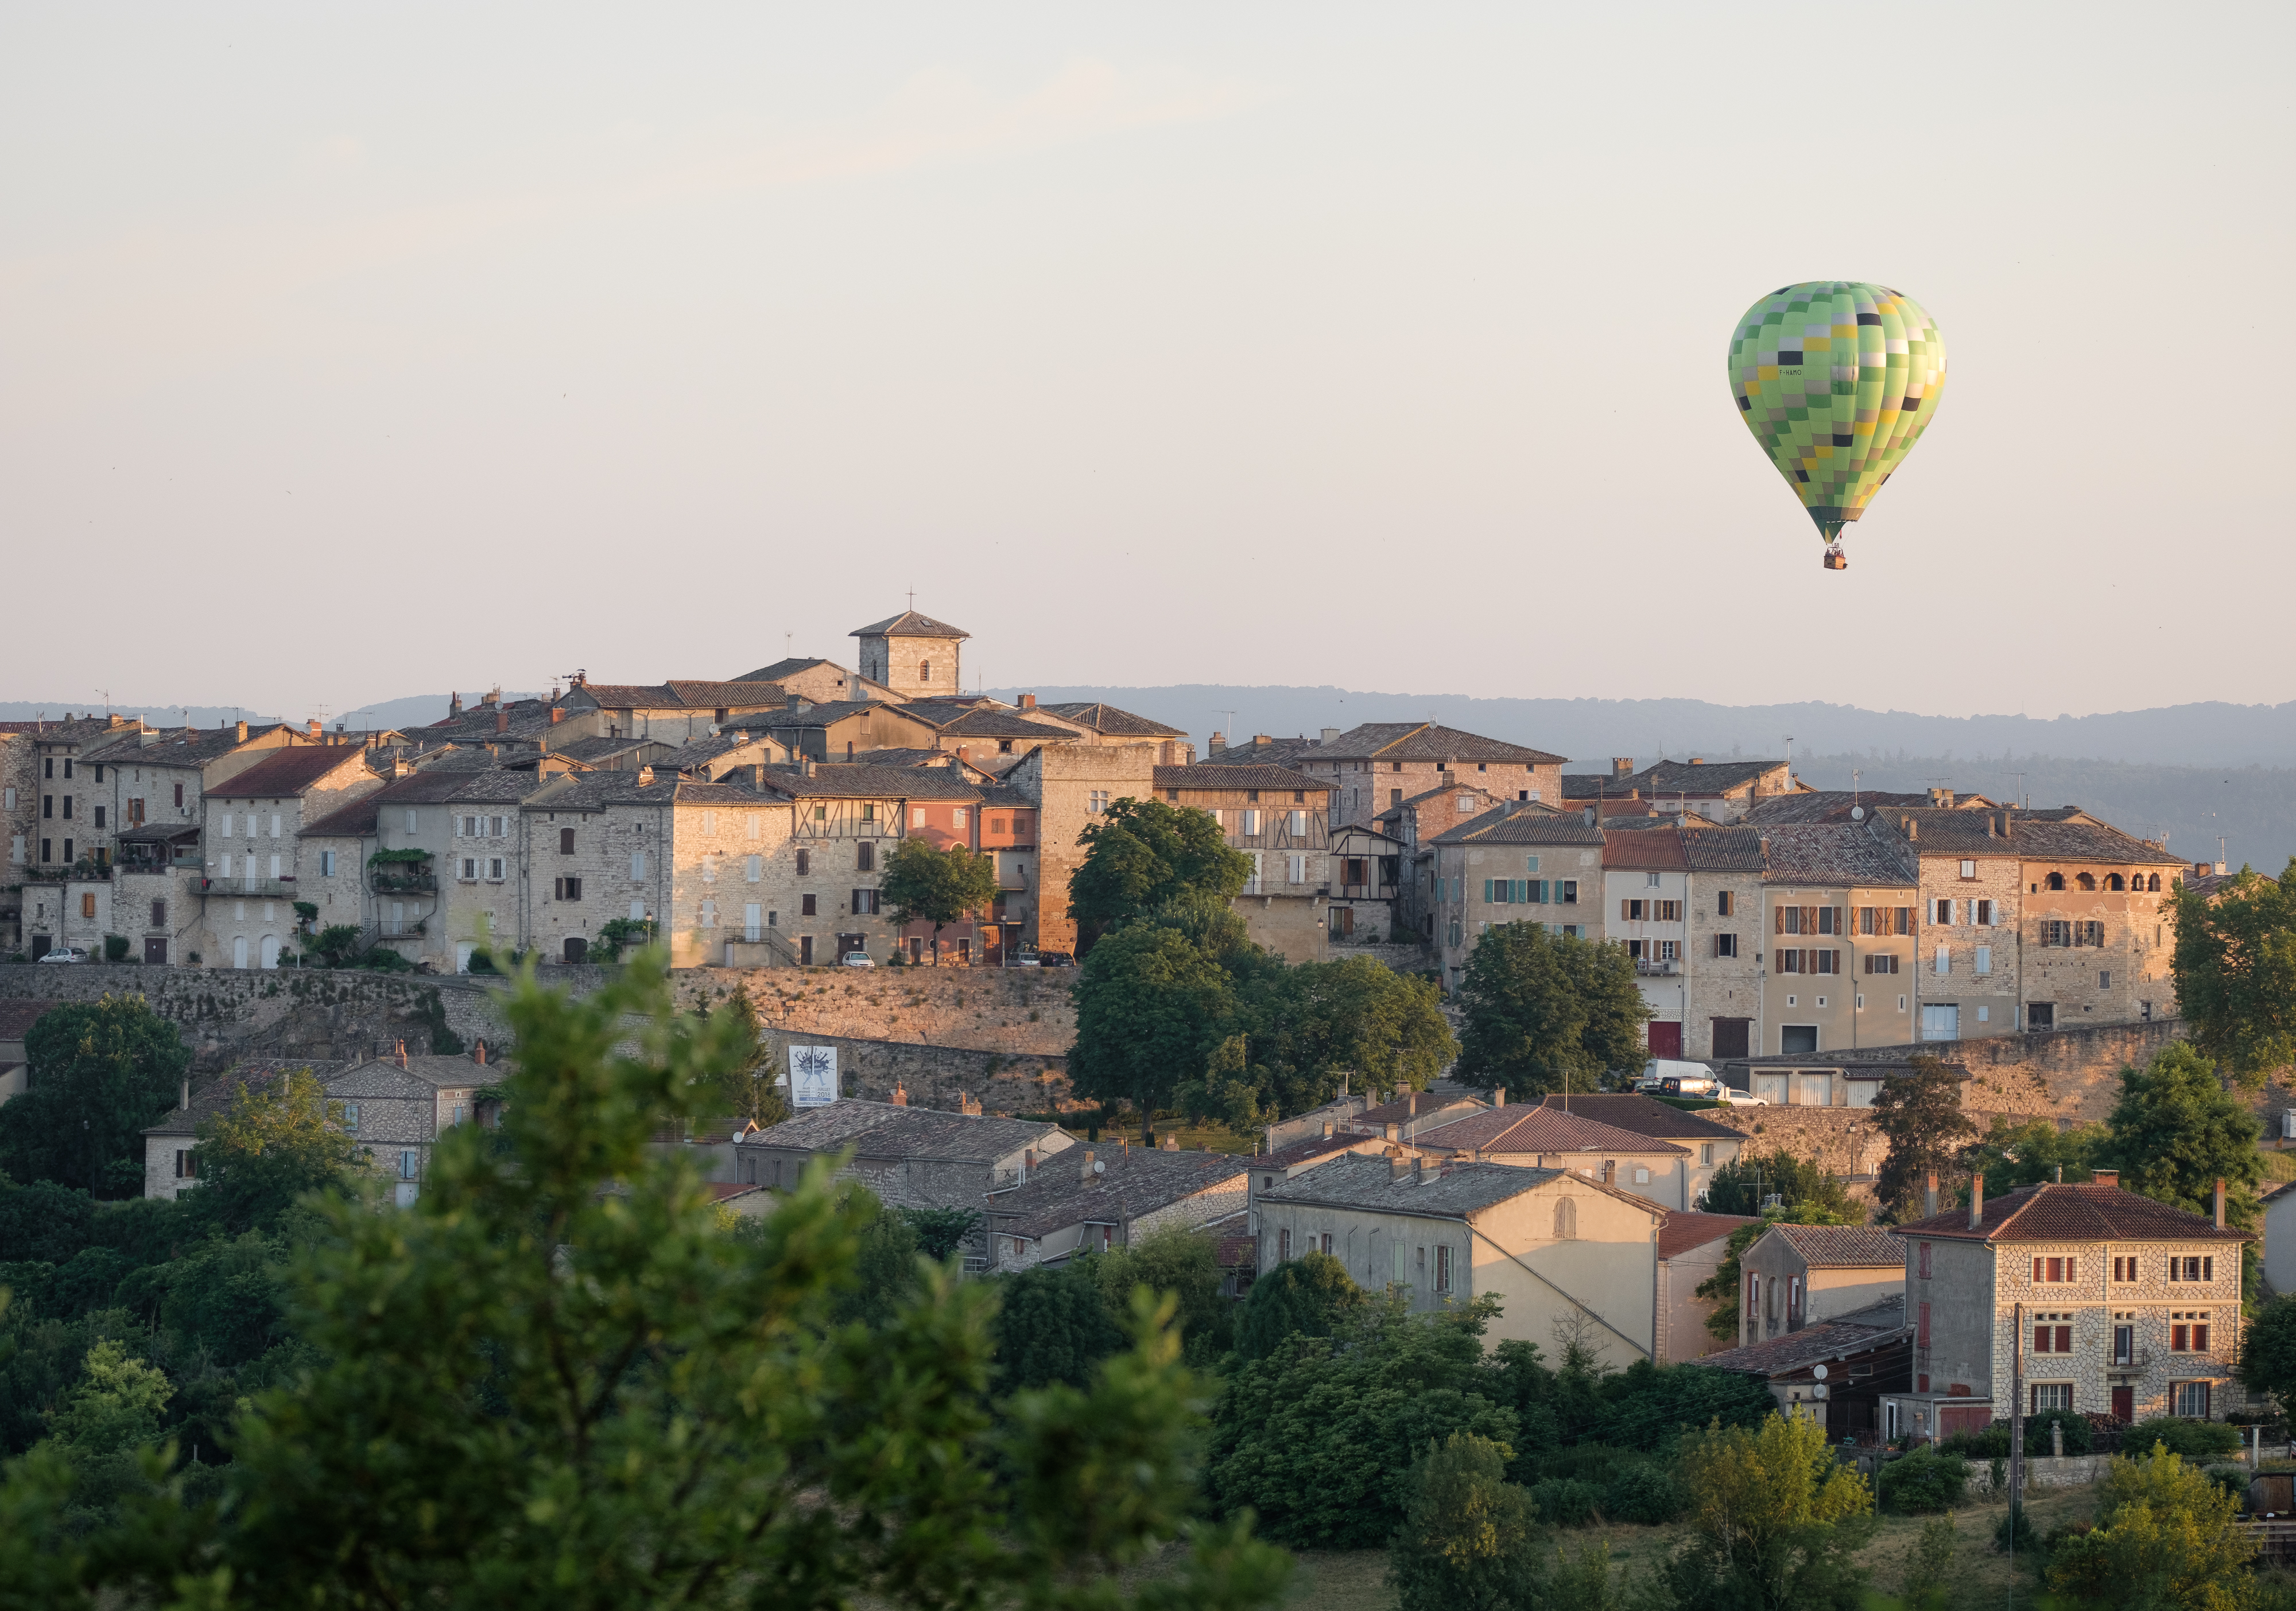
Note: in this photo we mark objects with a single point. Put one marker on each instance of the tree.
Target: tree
(749, 1091)
(941, 1232)
(1306, 1296)
(1151, 1006)
(1774, 1521)
(1470, 1538)
(937, 887)
(269, 1150)
(556, 1372)
(2268, 1353)
(616, 936)
(1543, 1008)
(2235, 964)
(1184, 1263)
(2013, 1154)
(1300, 1030)
(1053, 1324)
(2175, 1132)
(1921, 1115)
(1811, 1196)
(2166, 1536)
(1141, 854)
(100, 1073)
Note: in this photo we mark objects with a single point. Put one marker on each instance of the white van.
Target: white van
(1673, 1076)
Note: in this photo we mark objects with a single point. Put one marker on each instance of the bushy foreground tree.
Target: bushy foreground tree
(1775, 1522)
(100, 1072)
(2235, 964)
(1545, 1011)
(558, 1376)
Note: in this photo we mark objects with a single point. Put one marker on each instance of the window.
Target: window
(2189, 1331)
(1944, 959)
(1251, 825)
(637, 863)
(566, 841)
(1296, 872)
(1631, 912)
(98, 818)
(2124, 1344)
(1941, 913)
(804, 862)
(1980, 913)
(2124, 1269)
(864, 859)
(2103, 979)
(2056, 1270)
(1880, 964)
(187, 1164)
(1466, 803)
(2052, 1395)
(179, 795)
(570, 889)
(326, 863)
(158, 914)
(494, 869)
(1566, 1219)
(1984, 958)
(869, 810)
(350, 1118)
(753, 922)
(1968, 868)
(864, 903)
(1725, 945)
(1442, 1268)
(1924, 1265)
(470, 869)
(1296, 823)
(2186, 1267)
(806, 907)
(1669, 950)
(409, 1161)
(709, 914)
(87, 904)
(1651, 880)
(1100, 803)
(1283, 1247)
(709, 869)
(1666, 912)
(1722, 910)
(2189, 1400)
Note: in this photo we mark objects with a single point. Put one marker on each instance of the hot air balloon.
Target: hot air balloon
(1837, 379)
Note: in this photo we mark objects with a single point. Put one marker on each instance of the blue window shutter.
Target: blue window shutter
(1543, 887)
(1486, 892)
(1534, 863)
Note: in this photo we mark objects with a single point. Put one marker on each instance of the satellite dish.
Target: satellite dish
(1856, 813)
(1098, 1167)
(1819, 1372)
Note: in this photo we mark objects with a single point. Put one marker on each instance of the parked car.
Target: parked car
(65, 954)
(857, 959)
(1740, 1099)
(1054, 959)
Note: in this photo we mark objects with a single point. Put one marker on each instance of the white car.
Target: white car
(65, 954)
(1740, 1099)
(855, 958)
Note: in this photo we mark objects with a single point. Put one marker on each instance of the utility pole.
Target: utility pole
(2016, 1424)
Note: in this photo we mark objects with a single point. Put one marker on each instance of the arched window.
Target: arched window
(2085, 880)
(1566, 1220)
(2056, 880)
(2152, 883)
(2112, 881)
(924, 671)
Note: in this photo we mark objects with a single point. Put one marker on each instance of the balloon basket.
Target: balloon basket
(1835, 559)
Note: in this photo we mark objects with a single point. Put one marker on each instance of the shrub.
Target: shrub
(1645, 1491)
(2232, 1479)
(1927, 1563)
(1565, 1502)
(2193, 1440)
(1991, 1444)
(1924, 1481)
(115, 947)
(1467, 1540)
(2036, 1432)
(2015, 1532)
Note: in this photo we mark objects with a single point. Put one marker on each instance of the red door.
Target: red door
(2124, 1404)
(1665, 1039)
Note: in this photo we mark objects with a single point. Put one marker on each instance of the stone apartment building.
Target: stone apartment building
(251, 876)
(818, 682)
(1646, 903)
(1723, 949)
(1837, 937)
(1415, 823)
(1721, 792)
(1520, 863)
(1092, 1200)
(1380, 764)
(1073, 786)
(1281, 820)
(2119, 1305)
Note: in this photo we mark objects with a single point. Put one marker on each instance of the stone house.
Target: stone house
(1093, 1201)
(1073, 787)
(394, 904)
(73, 821)
(249, 847)
(2117, 1304)
(1836, 940)
(1519, 863)
(1281, 821)
(1646, 907)
(818, 682)
(1711, 1144)
(1382, 764)
(1416, 822)
(153, 907)
(1723, 792)
(915, 656)
(1541, 1137)
(1803, 1275)
(1550, 1244)
(1692, 1247)
(1838, 1373)
(677, 712)
(398, 1107)
(1102, 724)
(1722, 966)
(1367, 887)
(169, 1170)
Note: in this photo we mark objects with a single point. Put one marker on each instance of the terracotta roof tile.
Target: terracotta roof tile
(1646, 1116)
(2053, 1213)
(1108, 719)
(1685, 1230)
(1534, 1130)
(1843, 1246)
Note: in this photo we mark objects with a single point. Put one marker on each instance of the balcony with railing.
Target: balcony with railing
(402, 879)
(246, 889)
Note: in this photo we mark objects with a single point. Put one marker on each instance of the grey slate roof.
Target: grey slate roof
(909, 624)
(1134, 1183)
(1428, 741)
(1538, 1130)
(286, 772)
(1457, 1189)
(850, 780)
(1238, 777)
(1843, 1246)
(790, 668)
(1723, 849)
(1874, 1325)
(983, 721)
(1827, 854)
(2064, 835)
(1108, 719)
(1525, 823)
(885, 1131)
(1827, 805)
(1646, 1116)
(218, 1096)
(1276, 752)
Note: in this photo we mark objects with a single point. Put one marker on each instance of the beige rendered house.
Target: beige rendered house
(1802, 1275)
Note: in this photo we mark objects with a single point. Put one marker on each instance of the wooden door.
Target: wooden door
(2124, 1404)
(1665, 1039)
(1731, 1037)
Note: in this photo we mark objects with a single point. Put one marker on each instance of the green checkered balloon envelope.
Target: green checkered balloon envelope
(1837, 379)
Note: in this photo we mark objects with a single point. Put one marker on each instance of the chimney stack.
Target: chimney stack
(967, 1106)
(241, 731)
(1498, 1097)
(2219, 1197)
(1084, 1169)
(1976, 1202)
(1331, 735)
(1398, 1168)
(2104, 1177)
(312, 729)
(1929, 1195)
(901, 1099)
(1328, 1127)
(1027, 702)
(502, 720)
(454, 706)
(402, 1054)
(1170, 1142)
(1394, 1132)
(1622, 765)
(557, 715)
(478, 1054)
(1419, 1172)
(1411, 1104)
(1218, 742)
(185, 1102)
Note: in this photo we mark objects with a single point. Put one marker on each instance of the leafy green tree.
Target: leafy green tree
(1052, 1325)
(1812, 1196)
(100, 1073)
(2011, 1153)
(1184, 1263)
(616, 936)
(1306, 1296)
(938, 886)
(2175, 1131)
(749, 1090)
(1230, 1093)
(1318, 1437)
(2235, 964)
(2268, 1353)
(1298, 1031)
(1469, 1540)
(272, 1147)
(1151, 1008)
(539, 1385)
(2166, 1536)
(1775, 1522)
(336, 945)
(1543, 1008)
(116, 1406)
(1141, 854)
(941, 1232)
(1920, 1114)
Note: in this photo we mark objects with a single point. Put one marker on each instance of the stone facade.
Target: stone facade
(1383, 763)
(249, 848)
(1280, 819)
(915, 655)
(1072, 785)
(1553, 860)
(1836, 970)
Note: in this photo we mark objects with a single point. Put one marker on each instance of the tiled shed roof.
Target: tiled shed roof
(1521, 1130)
(1842, 1246)
(1644, 1115)
(2053, 1213)
(1685, 1230)
(1833, 1340)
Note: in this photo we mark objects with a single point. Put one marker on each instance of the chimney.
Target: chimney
(2008, 825)
(502, 720)
(242, 732)
(1087, 1168)
(758, 777)
(478, 1054)
(1929, 1195)
(790, 701)
(454, 706)
(645, 777)
(901, 1099)
(1170, 1143)
(1027, 702)
(557, 715)
(1398, 1168)
(1331, 736)
(1621, 765)
(1498, 1097)
(312, 729)
(1913, 828)
(967, 1106)
(1394, 1132)
(2220, 867)
(185, 1102)
(1976, 1202)
(1218, 742)
(2219, 1198)
(1419, 1172)
(1942, 798)
(1698, 760)
(2104, 1177)
(1328, 1127)
(402, 1054)
(1260, 740)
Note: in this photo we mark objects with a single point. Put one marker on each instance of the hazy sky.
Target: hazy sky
(348, 352)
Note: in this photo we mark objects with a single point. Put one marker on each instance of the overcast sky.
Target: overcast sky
(353, 351)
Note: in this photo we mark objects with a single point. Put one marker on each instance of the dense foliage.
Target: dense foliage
(937, 887)
(1919, 1114)
(100, 1072)
(2235, 964)
(1925, 1480)
(1468, 1539)
(2165, 1536)
(1546, 1011)
(1775, 1522)
(2175, 1131)
(2267, 1354)
(1140, 855)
